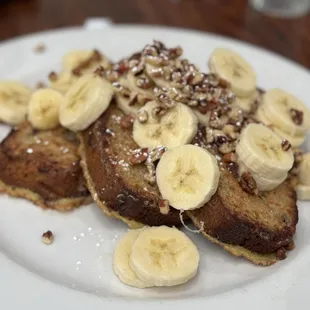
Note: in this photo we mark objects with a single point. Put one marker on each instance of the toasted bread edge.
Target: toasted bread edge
(90, 185)
(238, 251)
(63, 204)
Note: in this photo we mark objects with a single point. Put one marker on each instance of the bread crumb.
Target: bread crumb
(39, 48)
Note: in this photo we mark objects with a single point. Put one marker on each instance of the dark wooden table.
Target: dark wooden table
(233, 18)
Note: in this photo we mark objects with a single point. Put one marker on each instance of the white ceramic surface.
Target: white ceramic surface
(75, 272)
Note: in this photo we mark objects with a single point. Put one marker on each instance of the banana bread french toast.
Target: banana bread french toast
(43, 167)
(118, 187)
(254, 227)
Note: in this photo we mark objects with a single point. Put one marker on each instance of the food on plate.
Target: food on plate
(124, 153)
(161, 144)
(14, 99)
(43, 167)
(155, 256)
(285, 114)
(43, 108)
(47, 237)
(85, 101)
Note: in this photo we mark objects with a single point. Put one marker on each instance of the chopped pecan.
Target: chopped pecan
(281, 254)
(285, 145)
(164, 206)
(230, 157)
(297, 116)
(248, 183)
(47, 237)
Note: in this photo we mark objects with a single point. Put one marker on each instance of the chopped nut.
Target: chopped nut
(138, 68)
(230, 158)
(226, 148)
(281, 254)
(143, 116)
(156, 153)
(290, 246)
(53, 76)
(164, 206)
(144, 83)
(47, 237)
(39, 48)
(219, 137)
(248, 183)
(157, 72)
(209, 135)
(126, 122)
(100, 71)
(138, 156)
(285, 145)
(297, 116)
(233, 168)
(40, 85)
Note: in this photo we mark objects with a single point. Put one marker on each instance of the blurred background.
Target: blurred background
(278, 25)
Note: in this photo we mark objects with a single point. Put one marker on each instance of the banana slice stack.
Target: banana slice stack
(14, 98)
(303, 188)
(231, 67)
(155, 256)
(261, 153)
(286, 115)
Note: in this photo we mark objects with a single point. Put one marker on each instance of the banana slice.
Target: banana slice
(43, 108)
(304, 170)
(14, 98)
(121, 256)
(231, 67)
(246, 104)
(63, 81)
(123, 103)
(164, 256)
(295, 140)
(203, 119)
(263, 184)
(259, 149)
(74, 58)
(160, 82)
(176, 127)
(187, 176)
(281, 108)
(303, 192)
(85, 101)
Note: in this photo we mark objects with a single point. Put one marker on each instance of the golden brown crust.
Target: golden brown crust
(238, 251)
(62, 204)
(261, 224)
(43, 166)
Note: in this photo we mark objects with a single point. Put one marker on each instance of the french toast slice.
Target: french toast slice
(249, 225)
(254, 227)
(119, 188)
(43, 167)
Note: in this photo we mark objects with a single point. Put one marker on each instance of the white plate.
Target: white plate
(75, 271)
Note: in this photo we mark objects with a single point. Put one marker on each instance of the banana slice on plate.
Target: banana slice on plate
(164, 256)
(304, 170)
(62, 81)
(43, 108)
(231, 67)
(14, 99)
(187, 176)
(73, 59)
(121, 256)
(85, 101)
(260, 150)
(286, 112)
(295, 140)
(176, 127)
